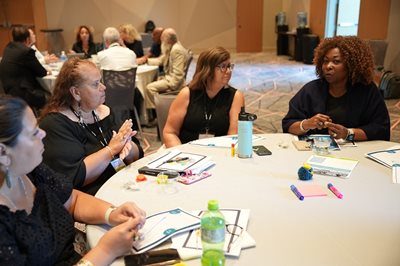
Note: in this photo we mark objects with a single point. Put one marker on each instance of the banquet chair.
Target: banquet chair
(163, 101)
(120, 94)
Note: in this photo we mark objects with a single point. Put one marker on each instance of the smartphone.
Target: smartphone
(153, 257)
(261, 150)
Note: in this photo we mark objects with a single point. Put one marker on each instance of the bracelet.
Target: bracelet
(111, 153)
(108, 213)
(301, 126)
(84, 262)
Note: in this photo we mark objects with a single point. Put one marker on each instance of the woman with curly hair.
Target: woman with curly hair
(84, 42)
(132, 39)
(343, 102)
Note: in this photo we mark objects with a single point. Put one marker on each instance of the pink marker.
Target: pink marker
(335, 191)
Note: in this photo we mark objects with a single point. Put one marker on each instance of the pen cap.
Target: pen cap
(243, 116)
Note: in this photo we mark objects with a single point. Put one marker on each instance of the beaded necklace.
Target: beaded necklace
(12, 204)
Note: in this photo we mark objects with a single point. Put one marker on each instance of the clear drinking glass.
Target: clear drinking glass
(321, 145)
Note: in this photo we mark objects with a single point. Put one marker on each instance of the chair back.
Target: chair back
(120, 91)
(188, 62)
(163, 103)
(378, 48)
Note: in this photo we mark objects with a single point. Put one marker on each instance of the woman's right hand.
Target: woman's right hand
(317, 121)
(119, 240)
(118, 140)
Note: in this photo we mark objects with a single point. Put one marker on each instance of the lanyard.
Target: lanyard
(208, 112)
(84, 125)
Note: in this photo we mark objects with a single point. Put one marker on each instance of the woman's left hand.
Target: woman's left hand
(125, 211)
(336, 130)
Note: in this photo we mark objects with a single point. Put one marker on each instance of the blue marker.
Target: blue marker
(296, 192)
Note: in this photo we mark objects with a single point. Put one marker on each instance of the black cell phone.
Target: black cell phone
(261, 150)
(154, 172)
(157, 257)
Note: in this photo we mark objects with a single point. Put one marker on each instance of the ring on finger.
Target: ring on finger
(334, 135)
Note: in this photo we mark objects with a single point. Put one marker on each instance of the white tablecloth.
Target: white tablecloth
(363, 228)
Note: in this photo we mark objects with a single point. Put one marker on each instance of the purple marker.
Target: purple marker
(297, 192)
(335, 191)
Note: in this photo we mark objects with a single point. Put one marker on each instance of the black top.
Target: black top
(93, 48)
(155, 49)
(203, 113)
(336, 108)
(46, 235)
(19, 69)
(365, 108)
(135, 46)
(67, 144)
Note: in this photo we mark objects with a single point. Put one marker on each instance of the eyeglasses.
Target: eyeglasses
(224, 67)
(235, 231)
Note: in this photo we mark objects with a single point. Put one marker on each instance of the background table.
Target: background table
(361, 229)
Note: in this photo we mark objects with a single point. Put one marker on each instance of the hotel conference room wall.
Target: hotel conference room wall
(199, 23)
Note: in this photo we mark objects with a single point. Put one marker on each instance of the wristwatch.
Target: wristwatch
(350, 134)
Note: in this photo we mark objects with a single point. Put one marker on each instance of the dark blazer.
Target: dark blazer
(19, 69)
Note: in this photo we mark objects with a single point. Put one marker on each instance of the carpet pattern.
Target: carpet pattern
(268, 82)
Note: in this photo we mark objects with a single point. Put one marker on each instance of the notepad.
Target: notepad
(312, 190)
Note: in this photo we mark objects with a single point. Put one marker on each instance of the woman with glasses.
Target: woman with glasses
(85, 140)
(208, 106)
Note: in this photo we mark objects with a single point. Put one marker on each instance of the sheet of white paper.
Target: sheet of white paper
(221, 142)
(330, 166)
(162, 226)
(386, 157)
(396, 173)
(189, 244)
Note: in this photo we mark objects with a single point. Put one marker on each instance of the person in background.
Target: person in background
(19, 70)
(155, 50)
(43, 59)
(85, 43)
(38, 206)
(131, 39)
(208, 106)
(115, 57)
(174, 58)
(343, 102)
(83, 138)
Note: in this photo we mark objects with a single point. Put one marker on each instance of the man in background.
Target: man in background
(174, 58)
(115, 57)
(19, 70)
(155, 50)
(43, 59)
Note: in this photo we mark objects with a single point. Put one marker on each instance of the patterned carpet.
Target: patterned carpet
(268, 83)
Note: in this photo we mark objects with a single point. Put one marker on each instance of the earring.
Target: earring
(80, 113)
(8, 178)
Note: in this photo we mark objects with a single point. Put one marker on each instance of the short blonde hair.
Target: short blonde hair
(131, 32)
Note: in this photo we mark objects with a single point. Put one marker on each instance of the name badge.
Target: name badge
(117, 164)
(205, 136)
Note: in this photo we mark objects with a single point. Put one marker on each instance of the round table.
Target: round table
(363, 228)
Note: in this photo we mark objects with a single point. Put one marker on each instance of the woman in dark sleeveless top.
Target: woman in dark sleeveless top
(208, 106)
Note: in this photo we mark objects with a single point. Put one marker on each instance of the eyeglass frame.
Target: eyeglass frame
(233, 233)
(224, 67)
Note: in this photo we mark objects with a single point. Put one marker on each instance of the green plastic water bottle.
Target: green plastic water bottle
(213, 236)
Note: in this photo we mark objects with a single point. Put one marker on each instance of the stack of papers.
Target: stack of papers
(189, 244)
(181, 162)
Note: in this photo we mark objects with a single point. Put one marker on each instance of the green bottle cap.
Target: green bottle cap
(213, 205)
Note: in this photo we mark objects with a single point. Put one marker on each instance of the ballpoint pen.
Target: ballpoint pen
(296, 192)
(335, 191)
(177, 160)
